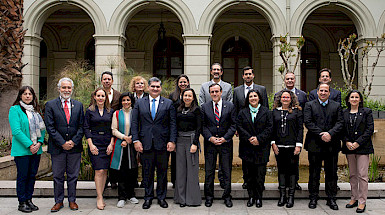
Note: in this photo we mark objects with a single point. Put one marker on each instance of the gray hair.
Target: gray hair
(154, 79)
(65, 79)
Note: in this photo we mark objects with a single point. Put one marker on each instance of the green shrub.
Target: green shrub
(373, 167)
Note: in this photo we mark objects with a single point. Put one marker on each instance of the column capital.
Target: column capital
(196, 39)
(109, 39)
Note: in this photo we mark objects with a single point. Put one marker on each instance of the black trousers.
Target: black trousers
(255, 179)
(126, 178)
(27, 167)
(211, 152)
(330, 166)
(151, 159)
(287, 164)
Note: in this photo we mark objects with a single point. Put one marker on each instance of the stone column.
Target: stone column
(31, 54)
(197, 59)
(277, 62)
(109, 56)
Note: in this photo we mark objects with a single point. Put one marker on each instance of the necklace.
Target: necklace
(353, 121)
(185, 110)
(283, 121)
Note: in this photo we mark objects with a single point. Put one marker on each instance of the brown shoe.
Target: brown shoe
(74, 206)
(57, 207)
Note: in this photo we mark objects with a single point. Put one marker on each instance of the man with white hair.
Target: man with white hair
(64, 121)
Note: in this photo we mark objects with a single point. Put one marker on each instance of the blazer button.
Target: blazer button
(355, 132)
(217, 126)
(66, 134)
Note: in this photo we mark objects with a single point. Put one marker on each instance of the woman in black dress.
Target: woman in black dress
(181, 83)
(254, 125)
(97, 129)
(357, 145)
(189, 124)
(286, 142)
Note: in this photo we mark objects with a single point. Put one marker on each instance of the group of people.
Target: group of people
(124, 129)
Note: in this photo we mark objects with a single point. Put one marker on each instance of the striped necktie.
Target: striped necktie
(216, 113)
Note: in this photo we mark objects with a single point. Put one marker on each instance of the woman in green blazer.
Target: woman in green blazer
(28, 132)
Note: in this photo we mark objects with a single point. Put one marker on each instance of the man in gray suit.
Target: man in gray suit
(240, 93)
(227, 92)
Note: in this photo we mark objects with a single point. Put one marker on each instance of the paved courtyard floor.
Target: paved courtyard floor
(88, 206)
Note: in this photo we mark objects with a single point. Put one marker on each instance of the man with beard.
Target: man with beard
(240, 93)
(324, 120)
(64, 121)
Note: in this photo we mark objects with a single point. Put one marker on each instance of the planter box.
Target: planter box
(381, 114)
(375, 114)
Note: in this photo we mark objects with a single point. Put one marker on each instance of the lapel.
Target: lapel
(223, 112)
(147, 105)
(60, 108)
(211, 111)
(160, 106)
(359, 118)
(72, 109)
(248, 117)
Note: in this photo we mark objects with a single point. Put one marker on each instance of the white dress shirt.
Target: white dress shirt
(156, 103)
(68, 104)
(219, 107)
(247, 90)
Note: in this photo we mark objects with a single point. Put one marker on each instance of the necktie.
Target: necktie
(247, 90)
(67, 111)
(216, 113)
(324, 104)
(153, 112)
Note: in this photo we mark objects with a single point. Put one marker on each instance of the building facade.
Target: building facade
(171, 37)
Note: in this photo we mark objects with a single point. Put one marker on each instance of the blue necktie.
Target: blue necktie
(153, 112)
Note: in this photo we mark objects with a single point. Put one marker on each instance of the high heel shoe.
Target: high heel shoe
(359, 210)
(355, 204)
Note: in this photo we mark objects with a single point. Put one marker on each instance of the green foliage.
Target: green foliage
(375, 105)
(5, 146)
(271, 100)
(86, 171)
(373, 167)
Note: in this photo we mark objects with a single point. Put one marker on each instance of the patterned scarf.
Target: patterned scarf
(254, 111)
(36, 123)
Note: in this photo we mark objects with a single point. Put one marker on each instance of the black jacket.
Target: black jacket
(361, 133)
(293, 129)
(316, 122)
(261, 128)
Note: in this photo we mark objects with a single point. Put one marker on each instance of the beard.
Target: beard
(65, 96)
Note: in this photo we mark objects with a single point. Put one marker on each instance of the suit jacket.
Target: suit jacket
(316, 122)
(335, 95)
(59, 130)
(262, 128)
(21, 137)
(301, 96)
(239, 96)
(115, 100)
(204, 94)
(361, 133)
(154, 133)
(226, 127)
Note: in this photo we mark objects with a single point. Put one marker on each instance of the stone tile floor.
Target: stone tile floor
(8, 205)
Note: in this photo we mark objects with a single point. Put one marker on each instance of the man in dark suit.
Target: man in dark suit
(218, 120)
(240, 93)
(107, 80)
(154, 133)
(324, 120)
(325, 77)
(64, 120)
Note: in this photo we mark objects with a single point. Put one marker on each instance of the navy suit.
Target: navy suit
(335, 95)
(154, 136)
(226, 129)
(59, 132)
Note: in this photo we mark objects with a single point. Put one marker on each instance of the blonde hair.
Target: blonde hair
(136, 79)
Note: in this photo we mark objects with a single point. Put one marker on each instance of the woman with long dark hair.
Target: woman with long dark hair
(28, 132)
(254, 125)
(357, 145)
(97, 129)
(189, 124)
(124, 154)
(181, 83)
(286, 142)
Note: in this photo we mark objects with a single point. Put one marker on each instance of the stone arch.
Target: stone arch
(267, 8)
(381, 25)
(127, 9)
(39, 11)
(325, 44)
(355, 10)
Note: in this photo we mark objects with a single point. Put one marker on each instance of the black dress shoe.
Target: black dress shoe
(228, 202)
(114, 185)
(358, 210)
(147, 204)
(209, 202)
(162, 203)
(338, 188)
(222, 185)
(250, 202)
(182, 205)
(23, 207)
(32, 206)
(312, 204)
(355, 204)
(298, 187)
(258, 203)
(332, 204)
(244, 185)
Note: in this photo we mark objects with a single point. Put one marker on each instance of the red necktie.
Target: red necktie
(216, 113)
(66, 111)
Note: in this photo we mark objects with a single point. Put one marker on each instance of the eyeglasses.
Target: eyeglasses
(216, 69)
(285, 97)
(153, 86)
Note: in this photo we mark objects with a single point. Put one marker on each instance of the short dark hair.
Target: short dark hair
(361, 104)
(154, 79)
(215, 84)
(247, 97)
(325, 70)
(216, 64)
(247, 68)
(107, 73)
(132, 98)
(321, 84)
